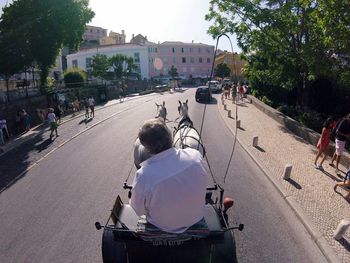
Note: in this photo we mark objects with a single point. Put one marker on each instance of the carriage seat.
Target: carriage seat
(208, 226)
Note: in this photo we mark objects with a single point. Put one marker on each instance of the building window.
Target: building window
(75, 63)
(165, 60)
(192, 69)
(98, 30)
(200, 60)
(183, 50)
(191, 49)
(183, 59)
(156, 50)
(88, 62)
(199, 50)
(184, 70)
(208, 60)
(137, 57)
(192, 59)
(175, 60)
(208, 50)
(173, 50)
(90, 30)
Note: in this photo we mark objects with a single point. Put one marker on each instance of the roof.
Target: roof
(184, 44)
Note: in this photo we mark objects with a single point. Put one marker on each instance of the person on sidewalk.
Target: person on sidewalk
(170, 186)
(234, 93)
(86, 105)
(342, 134)
(323, 142)
(346, 183)
(52, 119)
(227, 91)
(25, 119)
(92, 106)
(58, 112)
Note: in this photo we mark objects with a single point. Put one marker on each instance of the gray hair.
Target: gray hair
(155, 136)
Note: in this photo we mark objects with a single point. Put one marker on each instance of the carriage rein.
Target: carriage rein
(204, 111)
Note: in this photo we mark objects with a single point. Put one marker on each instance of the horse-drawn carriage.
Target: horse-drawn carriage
(129, 238)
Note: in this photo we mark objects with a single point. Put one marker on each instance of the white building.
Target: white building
(82, 59)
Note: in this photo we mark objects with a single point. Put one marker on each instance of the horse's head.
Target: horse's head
(161, 111)
(183, 109)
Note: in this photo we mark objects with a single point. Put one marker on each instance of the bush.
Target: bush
(74, 78)
(266, 100)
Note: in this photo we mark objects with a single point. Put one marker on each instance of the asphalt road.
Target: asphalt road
(49, 214)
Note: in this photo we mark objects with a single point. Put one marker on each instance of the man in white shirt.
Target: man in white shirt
(170, 186)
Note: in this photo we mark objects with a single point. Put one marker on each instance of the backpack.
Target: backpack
(335, 129)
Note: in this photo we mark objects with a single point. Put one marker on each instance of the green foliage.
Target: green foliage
(222, 70)
(266, 100)
(121, 65)
(74, 78)
(39, 29)
(100, 65)
(288, 43)
(173, 72)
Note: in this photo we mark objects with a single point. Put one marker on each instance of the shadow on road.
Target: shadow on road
(44, 145)
(331, 176)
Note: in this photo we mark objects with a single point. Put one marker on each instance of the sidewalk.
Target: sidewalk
(310, 191)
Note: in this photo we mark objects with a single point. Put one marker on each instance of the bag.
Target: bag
(335, 130)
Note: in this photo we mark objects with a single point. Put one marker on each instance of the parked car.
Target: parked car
(203, 93)
(214, 85)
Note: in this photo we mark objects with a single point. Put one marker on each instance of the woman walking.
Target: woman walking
(51, 117)
(323, 142)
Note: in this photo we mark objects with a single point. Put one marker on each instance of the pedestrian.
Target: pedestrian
(25, 120)
(121, 94)
(323, 142)
(342, 134)
(91, 102)
(76, 104)
(86, 105)
(18, 121)
(234, 93)
(58, 112)
(227, 91)
(52, 119)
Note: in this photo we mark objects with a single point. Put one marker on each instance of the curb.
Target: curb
(4, 151)
(318, 238)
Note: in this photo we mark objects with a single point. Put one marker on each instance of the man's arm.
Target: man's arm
(138, 197)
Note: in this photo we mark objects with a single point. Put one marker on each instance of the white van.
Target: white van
(214, 85)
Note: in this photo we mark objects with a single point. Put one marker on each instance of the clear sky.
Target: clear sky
(159, 20)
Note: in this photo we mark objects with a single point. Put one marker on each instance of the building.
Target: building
(94, 33)
(192, 60)
(233, 61)
(113, 39)
(82, 59)
(139, 40)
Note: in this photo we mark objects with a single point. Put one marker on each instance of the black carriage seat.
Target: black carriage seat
(209, 227)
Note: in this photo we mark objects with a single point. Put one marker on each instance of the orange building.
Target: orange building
(233, 61)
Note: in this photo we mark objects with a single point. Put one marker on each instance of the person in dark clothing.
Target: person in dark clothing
(58, 113)
(342, 134)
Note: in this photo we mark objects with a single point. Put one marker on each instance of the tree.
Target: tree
(74, 77)
(173, 72)
(121, 65)
(100, 65)
(222, 70)
(288, 43)
(44, 26)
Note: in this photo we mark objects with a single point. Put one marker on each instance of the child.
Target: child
(52, 121)
(323, 142)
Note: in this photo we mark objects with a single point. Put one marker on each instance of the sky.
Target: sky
(159, 20)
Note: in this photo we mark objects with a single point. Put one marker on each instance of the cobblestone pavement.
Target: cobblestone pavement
(311, 189)
(36, 144)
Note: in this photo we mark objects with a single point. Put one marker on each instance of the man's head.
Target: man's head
(155, 136)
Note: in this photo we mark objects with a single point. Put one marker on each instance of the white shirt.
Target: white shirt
(91, 101)
(170, 188)
(51, 117)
